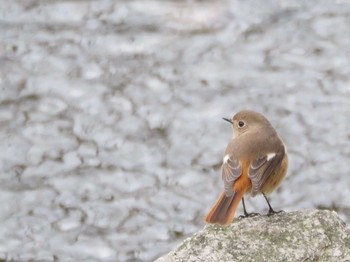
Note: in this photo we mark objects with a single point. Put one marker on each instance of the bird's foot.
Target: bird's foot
(273, 212)
(249, 215)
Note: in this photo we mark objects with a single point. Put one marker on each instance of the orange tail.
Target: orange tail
(224, 209)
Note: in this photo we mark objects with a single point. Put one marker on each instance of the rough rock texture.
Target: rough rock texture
(297, 236)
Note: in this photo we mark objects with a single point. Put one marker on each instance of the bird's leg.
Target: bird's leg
(246, 214)
(271, 211)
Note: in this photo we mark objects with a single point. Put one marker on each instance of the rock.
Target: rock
(312, 235)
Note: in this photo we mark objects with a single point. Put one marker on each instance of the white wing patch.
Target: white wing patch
(270, 156)
(226, 158)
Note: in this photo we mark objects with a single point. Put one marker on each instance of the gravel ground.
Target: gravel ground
(111, 135)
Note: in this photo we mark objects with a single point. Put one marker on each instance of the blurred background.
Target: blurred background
(111, 137)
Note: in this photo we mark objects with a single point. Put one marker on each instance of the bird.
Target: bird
(255, 162)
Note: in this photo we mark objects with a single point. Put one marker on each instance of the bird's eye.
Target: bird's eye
(241, 124)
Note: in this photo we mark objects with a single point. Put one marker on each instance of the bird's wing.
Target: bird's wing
(262, 167)
(231, 170)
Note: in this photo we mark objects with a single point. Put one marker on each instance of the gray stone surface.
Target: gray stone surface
(296, 236)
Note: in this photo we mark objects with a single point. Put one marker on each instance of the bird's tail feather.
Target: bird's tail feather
(224, 209)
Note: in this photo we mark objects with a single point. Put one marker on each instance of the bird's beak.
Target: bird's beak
(227, 119)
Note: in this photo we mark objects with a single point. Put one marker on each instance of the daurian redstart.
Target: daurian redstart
(255, 162)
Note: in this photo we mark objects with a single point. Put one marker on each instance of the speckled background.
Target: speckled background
(111, 135)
